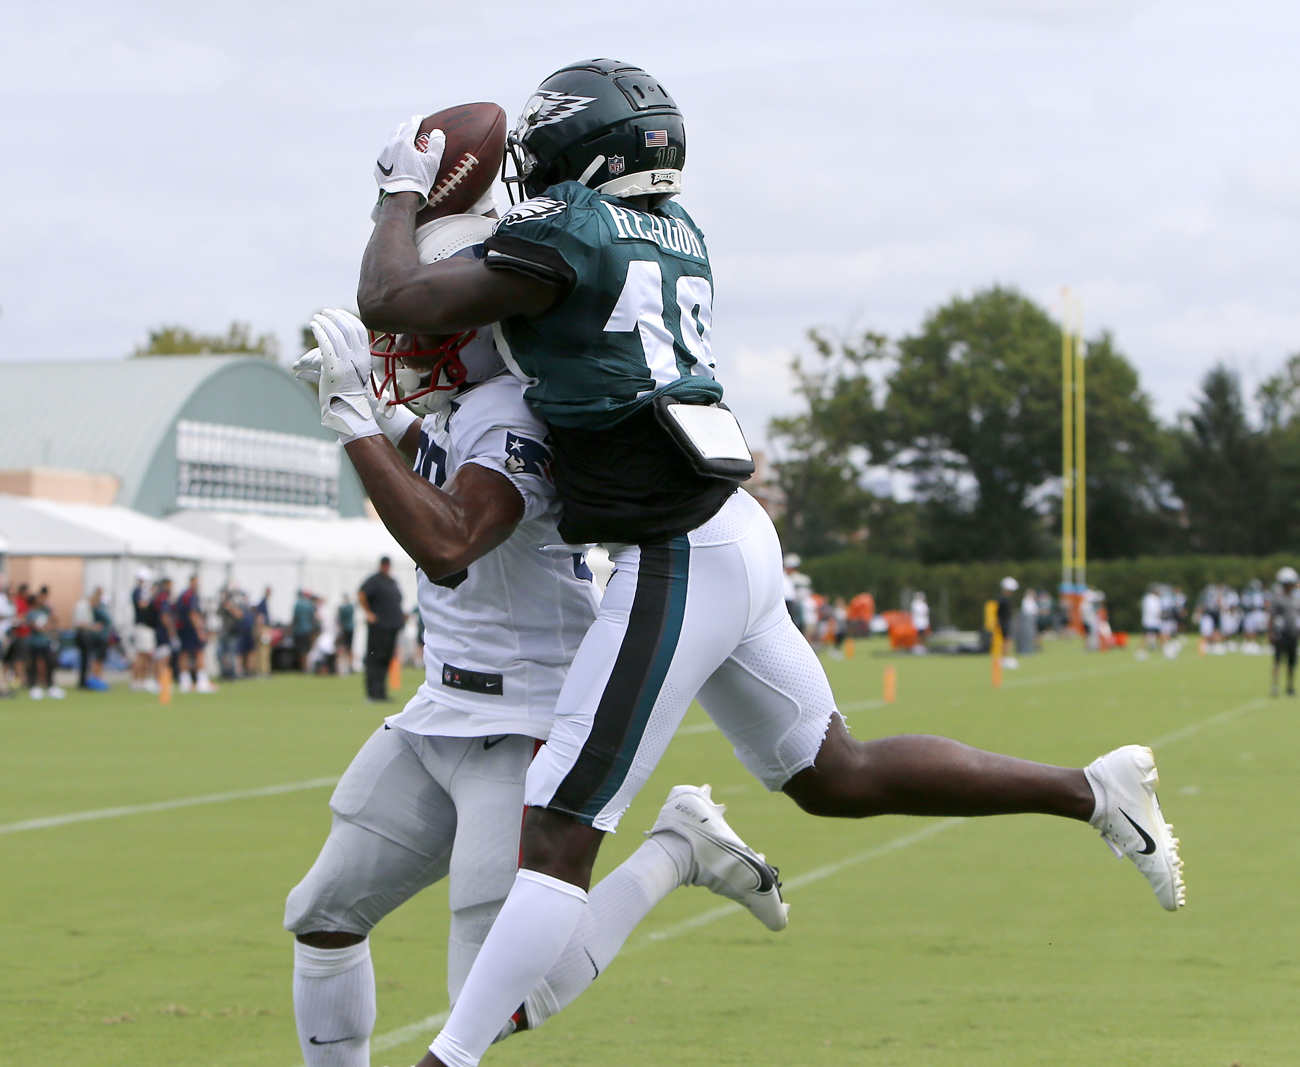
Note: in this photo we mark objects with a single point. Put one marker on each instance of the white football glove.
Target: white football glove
(393, 421)
(409, 162)
(346, 402)
(306, 368)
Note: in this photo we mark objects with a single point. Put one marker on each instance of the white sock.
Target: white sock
(334, 1003)
(1099, 798)
(536, 922)
(617, 903)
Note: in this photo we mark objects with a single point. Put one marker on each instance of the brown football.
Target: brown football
(476, 141)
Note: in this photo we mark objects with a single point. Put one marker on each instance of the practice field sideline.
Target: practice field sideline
(146, 853)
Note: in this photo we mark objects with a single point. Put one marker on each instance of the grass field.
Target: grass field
(154, 938)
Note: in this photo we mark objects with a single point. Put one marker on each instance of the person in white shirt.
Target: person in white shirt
(1027, 629)
(920, 616)
(1152, 619)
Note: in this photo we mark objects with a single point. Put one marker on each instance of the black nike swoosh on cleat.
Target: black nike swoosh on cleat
(489, 743)
(335, 1041)
(765, 879)
(1146, 837)
(385, 171)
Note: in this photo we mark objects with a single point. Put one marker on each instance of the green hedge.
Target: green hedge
(959, 590)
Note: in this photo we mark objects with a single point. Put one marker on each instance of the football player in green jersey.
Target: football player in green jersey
(601, 294)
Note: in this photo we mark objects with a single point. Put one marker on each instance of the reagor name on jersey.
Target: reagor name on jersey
(670, 234)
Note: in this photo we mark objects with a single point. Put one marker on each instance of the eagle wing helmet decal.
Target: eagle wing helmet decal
(547, 107)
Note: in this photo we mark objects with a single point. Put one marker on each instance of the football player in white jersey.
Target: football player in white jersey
(438, 790)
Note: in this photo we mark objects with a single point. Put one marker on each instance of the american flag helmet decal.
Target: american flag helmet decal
(656, 138)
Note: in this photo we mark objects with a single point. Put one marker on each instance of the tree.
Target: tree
(970, 408)
(180, 341)
(826, 506)
(1279, 403)
(1220, 470)
(973, 414)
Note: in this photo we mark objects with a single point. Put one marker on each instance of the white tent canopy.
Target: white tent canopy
(328, 557)
(32, 527)
(114, 541)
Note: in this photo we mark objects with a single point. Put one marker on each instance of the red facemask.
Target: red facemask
(443, 359)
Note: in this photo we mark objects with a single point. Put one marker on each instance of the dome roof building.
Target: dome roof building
(215, 433)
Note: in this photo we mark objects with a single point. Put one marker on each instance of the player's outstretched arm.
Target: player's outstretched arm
(399, 294)
(442, 530)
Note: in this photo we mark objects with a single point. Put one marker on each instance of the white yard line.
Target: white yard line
(1066, 676)
(1205, 724)
(403, 1034)
(815, 875)
(165, 805)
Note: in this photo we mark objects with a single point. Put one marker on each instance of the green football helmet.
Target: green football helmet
(605, 124)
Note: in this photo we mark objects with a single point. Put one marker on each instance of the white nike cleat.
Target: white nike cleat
(724, 864)
(1131, 823)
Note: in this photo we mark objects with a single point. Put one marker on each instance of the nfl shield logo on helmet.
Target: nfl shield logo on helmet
(616, 165)
(656, 138)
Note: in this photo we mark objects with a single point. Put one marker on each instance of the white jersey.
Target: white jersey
(1152, 611)
(499, 636)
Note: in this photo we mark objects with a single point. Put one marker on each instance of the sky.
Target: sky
(853, 165)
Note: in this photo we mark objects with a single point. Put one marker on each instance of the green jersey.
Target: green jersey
(632, 323)
(636, 313)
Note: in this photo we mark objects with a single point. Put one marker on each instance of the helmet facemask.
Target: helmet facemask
(524, 162)
(422, 378)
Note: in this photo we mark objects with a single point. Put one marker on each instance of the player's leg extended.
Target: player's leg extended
(773, 702)
(662, 629)
(391, 837)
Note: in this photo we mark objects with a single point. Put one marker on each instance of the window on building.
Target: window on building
(232, 468)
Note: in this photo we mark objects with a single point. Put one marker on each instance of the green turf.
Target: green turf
(155, 939)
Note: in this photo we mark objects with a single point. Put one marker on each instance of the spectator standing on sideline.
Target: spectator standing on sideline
(1027, 631)
(144, 637)
(790, 592)
(262, 633)
(166, 644)
(920, 609)
(231, 611)
(246, 638)
(7, 614)
(381, 601)
(1153, 612)
(42, 648)
(1284, 626)
(346, 620)
(192, 630)
(20, 633)
(94, 628)
(1005, 611)
(306, 625)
